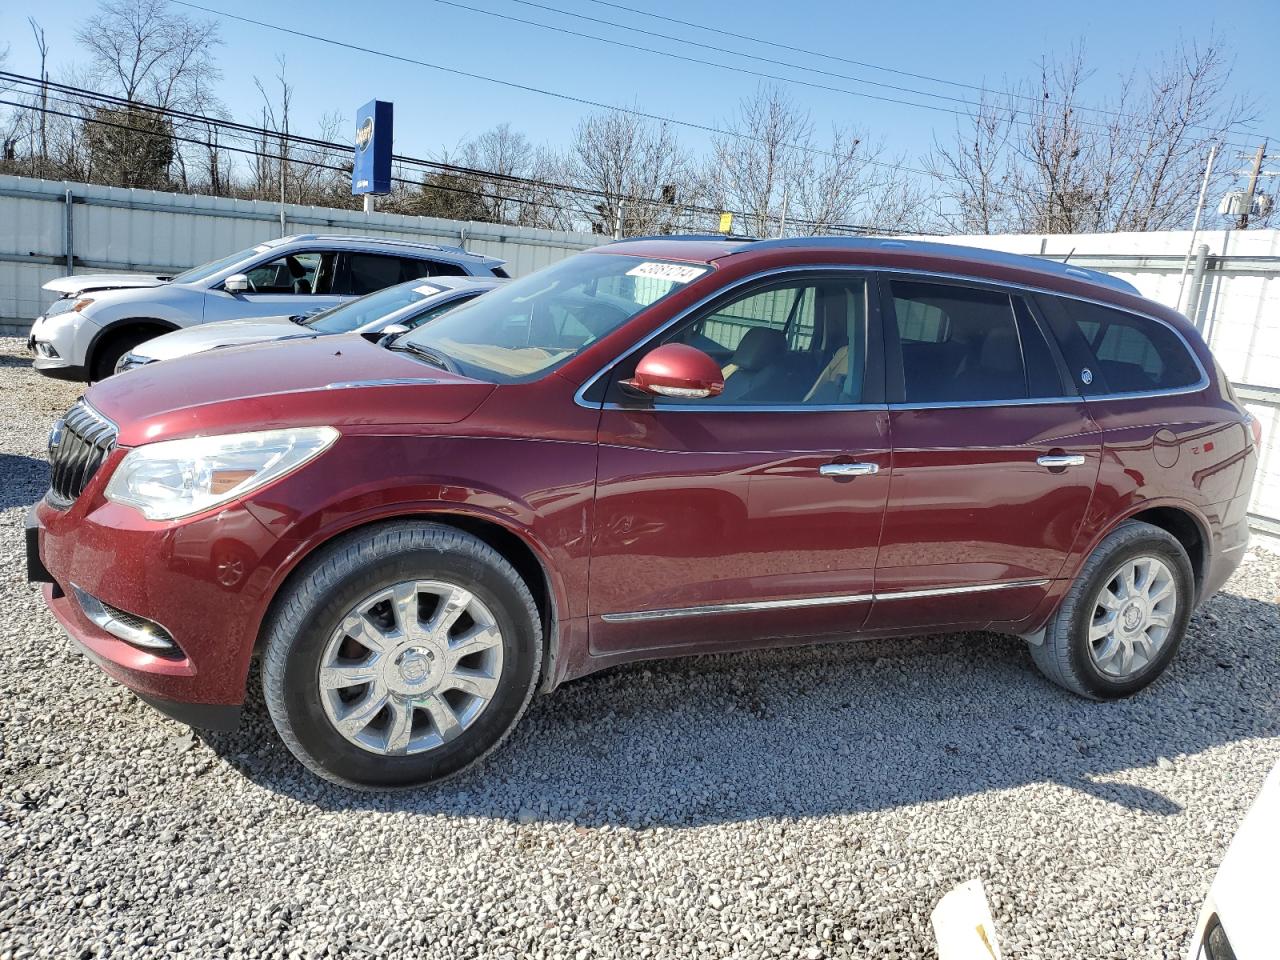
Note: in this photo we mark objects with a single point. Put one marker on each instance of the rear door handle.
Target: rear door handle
(1059, 460)
(848, 469)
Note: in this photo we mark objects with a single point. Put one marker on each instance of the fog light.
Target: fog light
(132, 629)
(46, 351)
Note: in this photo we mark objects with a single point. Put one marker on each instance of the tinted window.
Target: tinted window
(1132, 354)
(959, 344)
(797, 343)
(372, 271)
(295, 273)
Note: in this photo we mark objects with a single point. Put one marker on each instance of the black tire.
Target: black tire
(329, 584)
(1064, 654)
(109, 352)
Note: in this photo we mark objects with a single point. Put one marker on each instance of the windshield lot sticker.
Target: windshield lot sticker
(675, 272)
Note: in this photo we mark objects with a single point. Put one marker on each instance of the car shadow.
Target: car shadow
(26, 480)
(836, 729)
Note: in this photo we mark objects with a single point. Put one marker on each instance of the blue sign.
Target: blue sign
(371, 172)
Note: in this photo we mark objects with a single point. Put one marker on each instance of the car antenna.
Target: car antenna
(1069, 255)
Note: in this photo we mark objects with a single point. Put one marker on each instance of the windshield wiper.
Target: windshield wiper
(300, 318)
(422, 353)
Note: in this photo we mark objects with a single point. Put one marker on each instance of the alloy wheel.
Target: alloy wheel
(410, 667)
(1133, 617)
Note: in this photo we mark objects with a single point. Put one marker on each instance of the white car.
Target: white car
(394, 309)
(100, 318)
(1238, 920)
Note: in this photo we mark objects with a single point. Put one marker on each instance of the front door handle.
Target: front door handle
(1056, 461)
(848, 469)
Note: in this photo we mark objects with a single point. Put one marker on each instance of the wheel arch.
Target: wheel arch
(1179, 519)
(514, 544)
(117, 327)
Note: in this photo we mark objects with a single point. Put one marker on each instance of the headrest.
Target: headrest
(759, 347)
(1000, 351)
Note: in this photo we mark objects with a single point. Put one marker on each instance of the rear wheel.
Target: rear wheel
(401, 656)
(1123, 619)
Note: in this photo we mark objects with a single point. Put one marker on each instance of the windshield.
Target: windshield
(206, 270)
(529, 327)
(374, 306)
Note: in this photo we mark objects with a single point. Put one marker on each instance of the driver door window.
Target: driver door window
(798, 343)
(295, 274)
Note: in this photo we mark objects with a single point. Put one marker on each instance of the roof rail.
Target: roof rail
(688, 236)
(961, 251)
(389, 241)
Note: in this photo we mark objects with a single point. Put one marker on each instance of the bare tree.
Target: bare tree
(774, 170)
(275, 117)
(635, 169)
(1038, 161)
(148, 54)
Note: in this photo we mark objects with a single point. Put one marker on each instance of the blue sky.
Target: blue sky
(991, 45)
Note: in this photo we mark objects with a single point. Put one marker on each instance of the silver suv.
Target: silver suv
(99, 318)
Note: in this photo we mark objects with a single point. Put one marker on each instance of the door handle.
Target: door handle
(1060, 460)
(848, 469)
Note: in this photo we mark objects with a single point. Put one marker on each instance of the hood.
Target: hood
(83, 283)
(338, 381)
(227, 333)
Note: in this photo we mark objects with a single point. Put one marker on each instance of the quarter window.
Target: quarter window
(966, 344)
(1132, 354)
(800, 343)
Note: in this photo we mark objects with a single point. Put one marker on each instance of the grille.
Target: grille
(77, 450)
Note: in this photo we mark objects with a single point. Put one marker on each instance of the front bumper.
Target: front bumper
(204, 580)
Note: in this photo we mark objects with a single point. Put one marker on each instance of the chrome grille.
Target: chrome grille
(77, 447)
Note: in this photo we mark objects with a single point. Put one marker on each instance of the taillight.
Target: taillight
(1255, 427)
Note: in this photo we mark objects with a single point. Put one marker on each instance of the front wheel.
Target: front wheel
(400, 656)
(1121, 622)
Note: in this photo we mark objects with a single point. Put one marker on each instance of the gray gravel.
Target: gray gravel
(810, 803)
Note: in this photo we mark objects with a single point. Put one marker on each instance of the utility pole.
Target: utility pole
(1258, 157)
(1195, 226)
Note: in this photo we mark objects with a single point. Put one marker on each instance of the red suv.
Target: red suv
(661, 447)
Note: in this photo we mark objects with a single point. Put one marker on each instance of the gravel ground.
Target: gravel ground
(810, 803)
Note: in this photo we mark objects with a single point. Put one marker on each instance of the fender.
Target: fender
(297, 551)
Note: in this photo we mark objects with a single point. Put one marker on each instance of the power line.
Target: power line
(831, 56)
(241, 130)
(586, 101)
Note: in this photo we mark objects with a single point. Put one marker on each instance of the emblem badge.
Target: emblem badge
(1086, 376)
(364, 133)
(55, 438)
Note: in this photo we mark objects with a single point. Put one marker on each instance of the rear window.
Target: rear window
(1132, 354)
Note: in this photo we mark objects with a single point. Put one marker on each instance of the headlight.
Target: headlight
(176, 478)
(66, 305)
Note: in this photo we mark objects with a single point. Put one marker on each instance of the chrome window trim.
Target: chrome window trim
(684, 314)
(750, 606)
(879, 271)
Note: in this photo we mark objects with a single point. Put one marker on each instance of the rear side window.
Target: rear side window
(369, 272)
(965, 344)
(1126, 353)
